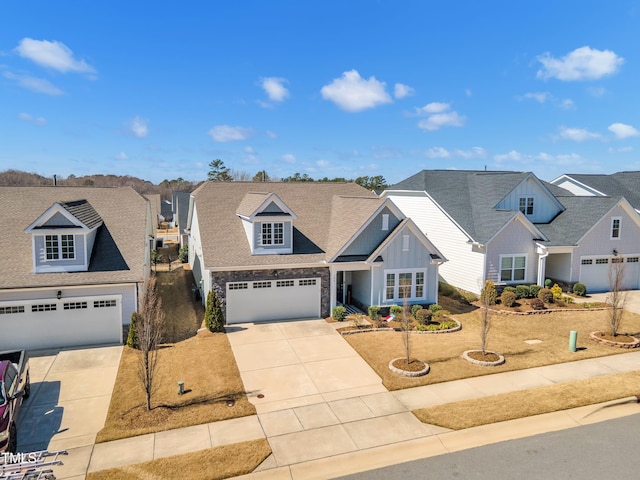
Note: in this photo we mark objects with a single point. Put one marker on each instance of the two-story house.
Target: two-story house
(76, 260)
(513, 228)
(295, 250)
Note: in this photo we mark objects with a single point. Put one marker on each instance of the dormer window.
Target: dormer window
(59, 246)
(526, 205)
(272, 233)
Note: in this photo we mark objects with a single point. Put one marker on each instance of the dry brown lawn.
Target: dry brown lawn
(536, 401)
(507, 336)
(183, 314)
(211, 464)
(208, 368)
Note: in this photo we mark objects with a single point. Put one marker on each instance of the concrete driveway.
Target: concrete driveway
(295, 363)
(632, 302)
(70, 395)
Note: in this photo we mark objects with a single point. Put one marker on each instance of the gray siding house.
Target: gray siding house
(78, 260)
(295, 250)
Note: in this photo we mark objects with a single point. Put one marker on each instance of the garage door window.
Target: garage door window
(75, 305)
(512, 268)
(307, 282)
(602, 261)
(44, 307)
(12, 309)
(261, 284)
(632, 260)
(587, 261)
(285, 283)
(238, 286)
(104, 303)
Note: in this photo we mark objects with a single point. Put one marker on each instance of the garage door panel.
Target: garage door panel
(61, 323)
(595, 275)
(273, 300)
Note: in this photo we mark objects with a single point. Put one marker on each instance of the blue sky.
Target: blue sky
(328, 88)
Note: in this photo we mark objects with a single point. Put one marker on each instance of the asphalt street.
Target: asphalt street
(601, 451)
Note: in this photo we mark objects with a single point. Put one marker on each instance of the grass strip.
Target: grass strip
(210, 464)
(535, 401)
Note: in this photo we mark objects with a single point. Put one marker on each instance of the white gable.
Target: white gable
(533, 199)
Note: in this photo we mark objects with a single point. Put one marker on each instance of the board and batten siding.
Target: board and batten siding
(513, 239)
(464, 266)
(598, 241)
(397, 258)
(373, 234)
(545, 207)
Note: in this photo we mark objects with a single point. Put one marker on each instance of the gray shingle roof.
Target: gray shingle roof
(468, 196)
(619, 184)
(225, 244)
(119, 249)
(83, 211)
(580, 214)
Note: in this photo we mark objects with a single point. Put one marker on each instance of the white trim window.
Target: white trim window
(615, 227)
(385, 222)
(513, 268)
(404, 284)
(60, 247)
(526, 205)
(272, 233)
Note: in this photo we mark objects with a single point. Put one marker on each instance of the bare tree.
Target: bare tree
(149, 329)
(617, 295)
(487, 297)
(406, 322)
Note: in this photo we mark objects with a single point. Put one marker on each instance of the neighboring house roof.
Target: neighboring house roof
(166, 210)
(320, 211)
(181, 209)
(154, 201)
(619, 184)
(119, 250)
(469, 197)
(579, 216)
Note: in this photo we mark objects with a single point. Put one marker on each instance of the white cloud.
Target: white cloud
(271, 134)
(540, 97)
(583, 63)
(437, 152)
(621, 130)
(121, 156)
(323, 163)
(434, 107)
(439, 120)
(54, 55)
(31, 119)
(139, 127)
(249, 150)
(275, 89)
(475, 152)
(567, 104)
(401, 91)
(227, 133)
(620, 149)
(571, 159)
(289, 158)
(468, 92)
(34, 84)
(596, 91)
(353, 93)
(577, 134)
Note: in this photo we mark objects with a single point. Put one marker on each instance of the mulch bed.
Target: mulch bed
(414, 365)
(484, 357)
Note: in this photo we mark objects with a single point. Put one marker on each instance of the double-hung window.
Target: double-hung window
(59, 247)
(272, 234)
(526, 205)
(404, 284)
(513, 268)
(615, 227)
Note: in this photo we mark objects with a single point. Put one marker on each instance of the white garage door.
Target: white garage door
(53, 323)
(594, 272)
(273, 300)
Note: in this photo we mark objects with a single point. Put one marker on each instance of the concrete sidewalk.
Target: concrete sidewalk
(337, 437)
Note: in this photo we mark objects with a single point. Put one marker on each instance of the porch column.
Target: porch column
(542, 265)
(333, 290)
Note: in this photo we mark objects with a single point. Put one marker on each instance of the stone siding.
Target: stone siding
(221, 278)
